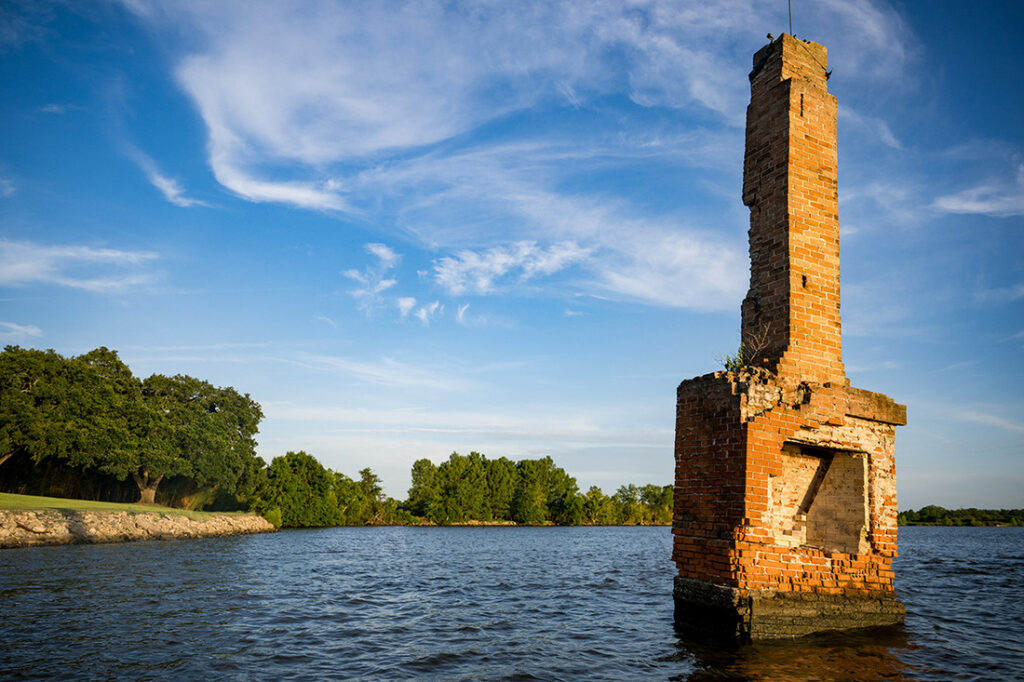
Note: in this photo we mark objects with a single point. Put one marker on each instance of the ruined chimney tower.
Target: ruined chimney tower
(785, 494)
(790, 183)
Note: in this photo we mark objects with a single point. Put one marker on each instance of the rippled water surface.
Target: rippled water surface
(470, 603)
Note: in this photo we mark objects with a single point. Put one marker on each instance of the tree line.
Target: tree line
(85, 426)
(531, 491)
(933, 515)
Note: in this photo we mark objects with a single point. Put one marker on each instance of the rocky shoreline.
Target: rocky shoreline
(27, 528)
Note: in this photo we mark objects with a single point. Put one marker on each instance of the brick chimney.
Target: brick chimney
(785, 492)
(791, 312)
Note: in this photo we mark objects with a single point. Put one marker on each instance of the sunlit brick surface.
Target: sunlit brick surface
(785, 478)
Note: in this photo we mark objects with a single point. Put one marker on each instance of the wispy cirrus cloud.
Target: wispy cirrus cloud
(989, 419)
(373, 280)
(481, 272)
(373, 109)
(354, 81)
(1007, 294)
(98, 270)
(427, 312)
(54, 108)
(874, 128)
(168, 186)
(388, 372)
(326, 320)
(999, 197)
(615, 251)
(11, 332)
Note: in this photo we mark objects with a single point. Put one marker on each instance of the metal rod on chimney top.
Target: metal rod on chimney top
(789, 3)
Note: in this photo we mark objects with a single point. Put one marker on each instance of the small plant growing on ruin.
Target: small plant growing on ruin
(749, 351)
(734, 363)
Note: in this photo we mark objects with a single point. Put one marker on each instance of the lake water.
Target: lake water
(470, 603)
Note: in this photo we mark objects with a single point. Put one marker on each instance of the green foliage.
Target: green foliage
(502, 479)
(599, 509)
(215, 428)
(299, 487)
(751, 350)
(735, 363)
(530, 500)
(933, 515)
(93, 414)
(298, 492)
(38, 409)
(469, 488)
(425, 495)
(273, 516)
(565, 505)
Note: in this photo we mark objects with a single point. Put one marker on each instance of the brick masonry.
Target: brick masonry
(785, 493)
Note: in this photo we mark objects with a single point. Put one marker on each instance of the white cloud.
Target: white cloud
(387, 256)
(326, 320)
(54, 108)
(991, 420)
(370, 108)
(357, 81)
(405, 305)
(578, 426)
(7, 188)
(624, 253)
(1008, 294)
(77, 267)
(168, 186)
(677, 269)
(372, 277)
(997, 197)
(894, 201)
(11, 332)
(481, 272)
(460, 313)
(388, 372)
(871, 127)
(427, 312)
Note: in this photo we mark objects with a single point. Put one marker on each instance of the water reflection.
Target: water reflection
(869, 654)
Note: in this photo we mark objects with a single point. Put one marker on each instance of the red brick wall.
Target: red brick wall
(790, 183)
(710, 484)
(735, 431)
(732, 432)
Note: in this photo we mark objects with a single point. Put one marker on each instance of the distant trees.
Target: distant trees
(298, 492)
(532, 491)
(97, 420)
(933, 515)
(474, 488)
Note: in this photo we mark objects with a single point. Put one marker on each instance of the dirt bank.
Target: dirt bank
(24, 528)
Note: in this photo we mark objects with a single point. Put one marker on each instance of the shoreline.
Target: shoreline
(42, 527)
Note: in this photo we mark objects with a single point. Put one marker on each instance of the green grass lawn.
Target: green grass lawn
(11, 501)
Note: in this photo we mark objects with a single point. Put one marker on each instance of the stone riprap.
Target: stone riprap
(26, 528)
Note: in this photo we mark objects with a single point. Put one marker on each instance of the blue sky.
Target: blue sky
(412, 228)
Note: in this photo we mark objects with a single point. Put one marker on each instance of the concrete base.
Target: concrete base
(745, 615)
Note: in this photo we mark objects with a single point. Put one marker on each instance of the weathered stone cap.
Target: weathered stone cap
(875, 406)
